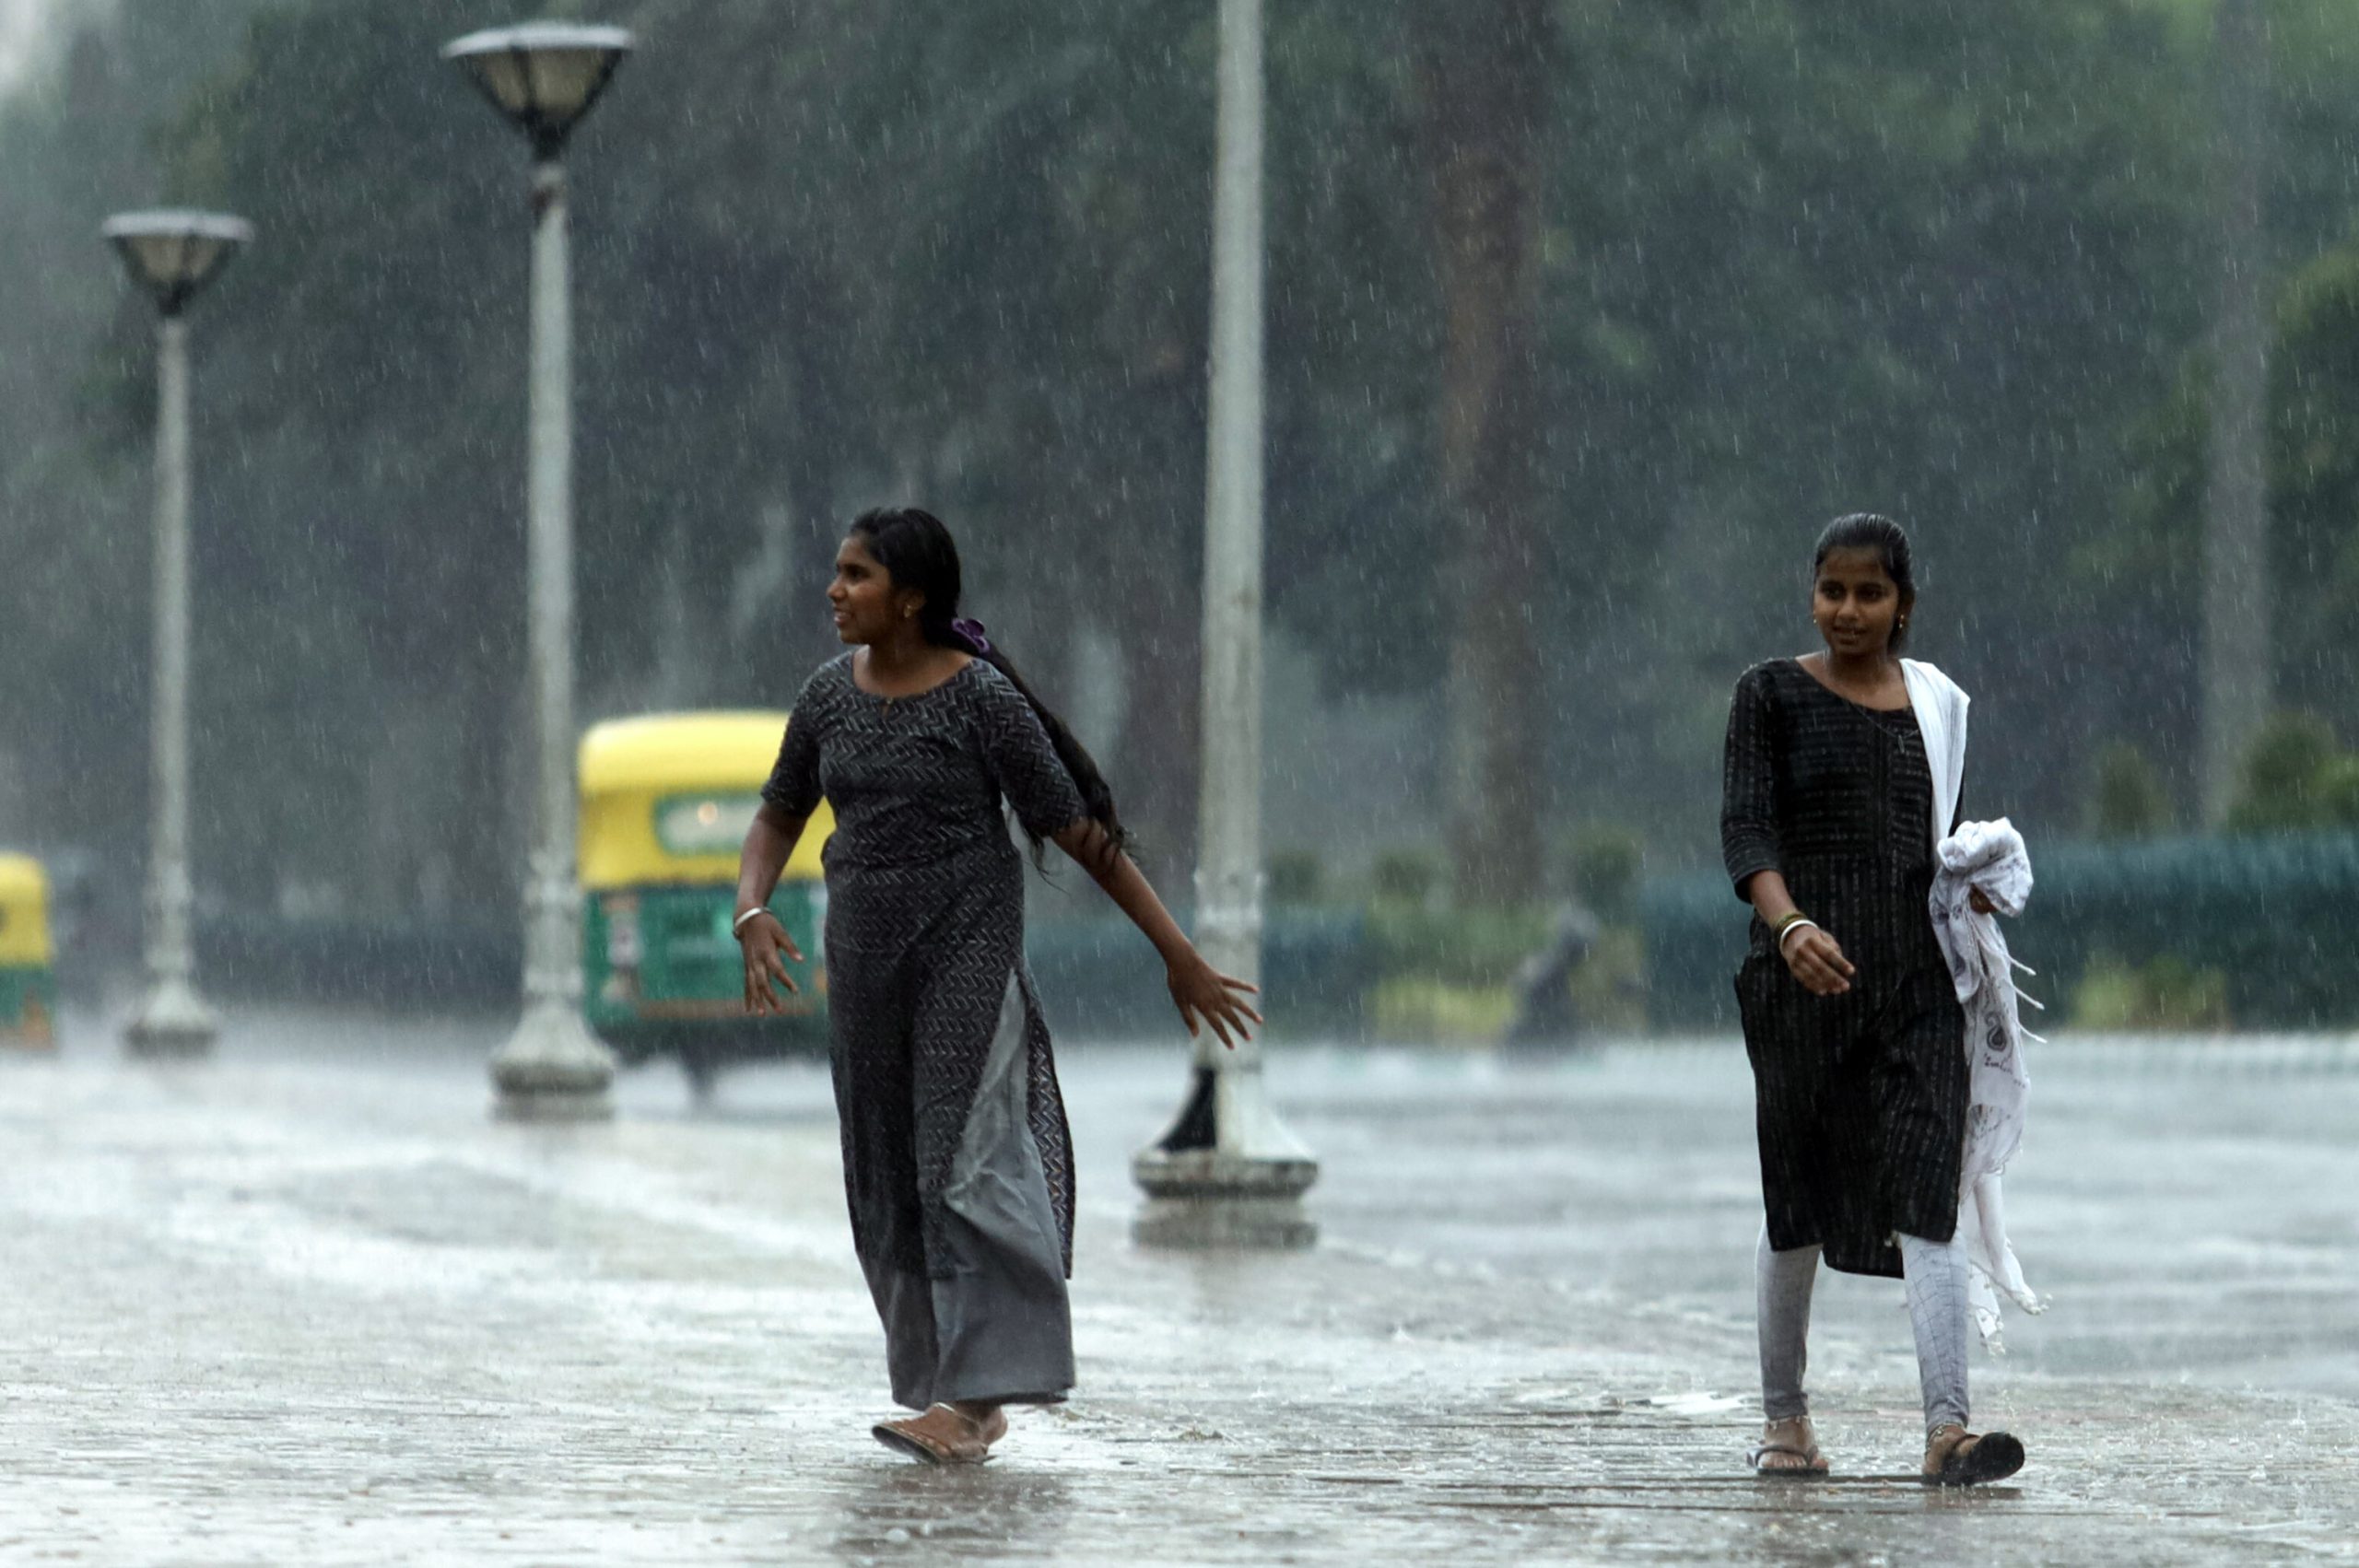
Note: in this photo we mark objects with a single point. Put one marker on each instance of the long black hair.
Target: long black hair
(915, 548)
(1872, 531)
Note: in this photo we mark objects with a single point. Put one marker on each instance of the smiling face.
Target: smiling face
(866, 604)
(1856, 603)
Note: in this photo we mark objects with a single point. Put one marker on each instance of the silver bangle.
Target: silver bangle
(1787, 934)
(737, 926)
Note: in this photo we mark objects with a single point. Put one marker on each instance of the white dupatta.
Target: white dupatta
(1988, 856)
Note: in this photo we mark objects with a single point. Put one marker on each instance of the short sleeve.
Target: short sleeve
(1022, 761)
(793, 784)
(1749, 783)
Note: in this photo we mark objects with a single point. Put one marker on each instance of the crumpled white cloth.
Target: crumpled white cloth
(1990, 856)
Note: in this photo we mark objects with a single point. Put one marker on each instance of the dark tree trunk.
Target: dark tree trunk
(1482, 75)
(2236, 685)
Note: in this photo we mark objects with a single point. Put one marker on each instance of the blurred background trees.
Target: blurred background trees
(1585, 316)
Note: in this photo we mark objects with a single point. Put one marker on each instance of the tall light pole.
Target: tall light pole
(1228, 1173)
(544, 76)
(172, 255)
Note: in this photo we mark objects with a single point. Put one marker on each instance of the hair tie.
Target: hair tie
(971, 633)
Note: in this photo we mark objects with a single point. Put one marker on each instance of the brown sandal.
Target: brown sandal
(1954, 1456)
(1804, 1446)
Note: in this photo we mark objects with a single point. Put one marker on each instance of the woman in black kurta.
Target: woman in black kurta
(958, 1167)
(1861, 1096)
(1851, 1021)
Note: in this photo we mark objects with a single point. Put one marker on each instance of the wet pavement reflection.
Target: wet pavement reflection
(306, 1303)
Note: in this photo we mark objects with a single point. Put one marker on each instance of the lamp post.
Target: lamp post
(172, 255)
(1228, 1173)
(544, 76)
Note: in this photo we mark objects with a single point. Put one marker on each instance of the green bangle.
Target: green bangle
(1793, 919)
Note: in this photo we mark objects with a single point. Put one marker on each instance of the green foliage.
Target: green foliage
(1424, 1010)
(1605, 859)
(2297, 776)
(2129, 800)
(2145, 574)
(1458, 947)
(1798, 256)
(2167, 993)
(1610, 985)
(1407, 876)
(1295, 876)
(2314, 488)
(2338, 791)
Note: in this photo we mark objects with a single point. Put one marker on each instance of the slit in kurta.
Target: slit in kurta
(989, 1319)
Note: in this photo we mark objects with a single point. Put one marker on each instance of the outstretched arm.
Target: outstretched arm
(1201, 993)
(769, 843)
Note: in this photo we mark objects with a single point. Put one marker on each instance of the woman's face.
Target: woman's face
(866, 604)
(1855, 604)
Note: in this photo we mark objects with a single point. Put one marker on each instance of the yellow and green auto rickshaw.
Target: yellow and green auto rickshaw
(28, 989)
(665, 801)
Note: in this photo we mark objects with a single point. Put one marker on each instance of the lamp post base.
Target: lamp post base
(552, 1069)
(173, 1023)
(1204, 1198)
(1228, 1174)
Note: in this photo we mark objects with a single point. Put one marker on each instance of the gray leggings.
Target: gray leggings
(1934, 1272)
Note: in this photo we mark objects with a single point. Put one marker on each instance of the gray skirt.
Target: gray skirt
(958, 1161)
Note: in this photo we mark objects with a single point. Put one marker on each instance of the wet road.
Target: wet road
(276, 1309)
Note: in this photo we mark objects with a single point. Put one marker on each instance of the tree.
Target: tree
(2235, 537)
(1482, 76)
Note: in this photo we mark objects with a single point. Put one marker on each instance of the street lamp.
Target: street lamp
(172, 255)
(1228, 1173)
(544, 76)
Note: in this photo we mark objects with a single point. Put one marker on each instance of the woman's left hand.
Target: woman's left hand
(1205, 996)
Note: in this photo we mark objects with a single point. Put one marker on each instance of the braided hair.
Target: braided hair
(915, 548)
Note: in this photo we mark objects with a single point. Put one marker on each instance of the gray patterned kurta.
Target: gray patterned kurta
(957, 1165)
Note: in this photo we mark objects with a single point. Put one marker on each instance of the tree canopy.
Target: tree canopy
(1792, 258)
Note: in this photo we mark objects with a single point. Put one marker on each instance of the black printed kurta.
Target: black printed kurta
(957, 1165)
(1860, 1099)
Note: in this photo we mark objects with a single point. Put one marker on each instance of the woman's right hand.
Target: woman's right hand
(767, 947)
(1206, 997)
(1816, 960)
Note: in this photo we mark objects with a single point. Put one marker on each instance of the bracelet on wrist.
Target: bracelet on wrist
(737, 926)
(1791, 927)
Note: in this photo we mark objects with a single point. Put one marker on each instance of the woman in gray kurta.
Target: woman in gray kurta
(957, 1166)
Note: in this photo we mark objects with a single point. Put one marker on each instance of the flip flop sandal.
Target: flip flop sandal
(1970, 1459)
(903, 1439)
(1813, 1468)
